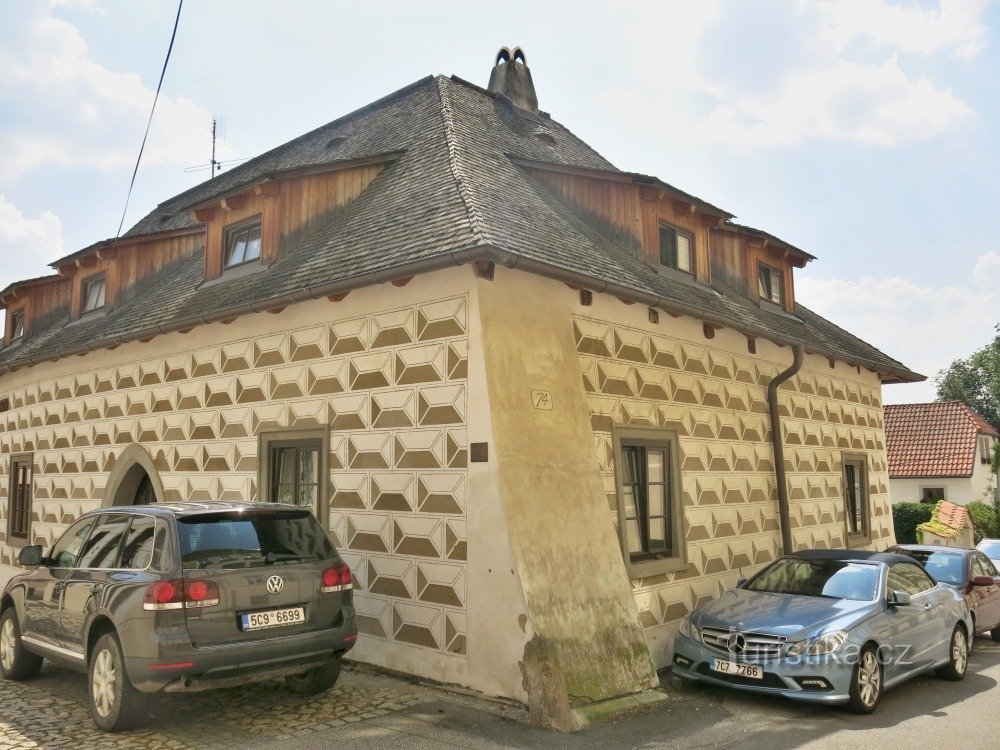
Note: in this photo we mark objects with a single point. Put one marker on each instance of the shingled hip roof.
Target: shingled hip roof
(936, 439)
(453, 193)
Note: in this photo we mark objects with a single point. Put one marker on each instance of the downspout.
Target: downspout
(798, 351)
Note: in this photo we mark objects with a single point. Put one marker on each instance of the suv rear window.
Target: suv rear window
(248, 540)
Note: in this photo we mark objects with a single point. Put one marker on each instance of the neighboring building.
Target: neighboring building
(950, 526)
(527, 392)
(939, 451)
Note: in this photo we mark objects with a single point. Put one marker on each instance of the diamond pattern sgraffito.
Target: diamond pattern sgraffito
(715, 398)
(391, 387)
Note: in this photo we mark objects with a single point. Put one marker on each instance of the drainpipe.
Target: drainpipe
(779, 453)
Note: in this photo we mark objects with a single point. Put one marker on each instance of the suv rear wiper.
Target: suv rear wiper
(272, 557)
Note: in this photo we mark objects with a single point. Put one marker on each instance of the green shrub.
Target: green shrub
(906, 517)
(984, 516)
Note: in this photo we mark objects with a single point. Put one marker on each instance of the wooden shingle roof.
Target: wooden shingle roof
(454, 191)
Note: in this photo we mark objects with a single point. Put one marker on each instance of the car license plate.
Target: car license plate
(740, 670)
(273, 618)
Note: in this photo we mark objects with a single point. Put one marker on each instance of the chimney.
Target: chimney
(511, 78)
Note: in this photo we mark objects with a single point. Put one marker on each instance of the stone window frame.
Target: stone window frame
(668, 440)
(266, 441)
(19, 540)
(860, 460)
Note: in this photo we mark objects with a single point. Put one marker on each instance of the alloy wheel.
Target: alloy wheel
(8, 644)
(960, 651)
(869, 678)
(104, 682)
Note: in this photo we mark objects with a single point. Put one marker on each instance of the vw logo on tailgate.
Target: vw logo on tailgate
(736, 643)
(275, 584)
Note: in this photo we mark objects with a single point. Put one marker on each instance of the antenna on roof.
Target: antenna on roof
(214, 164)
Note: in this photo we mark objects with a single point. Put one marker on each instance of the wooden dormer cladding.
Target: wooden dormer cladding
(289, 209)
(38, 301)
(736, 256)
(637, 209)
(127, 263)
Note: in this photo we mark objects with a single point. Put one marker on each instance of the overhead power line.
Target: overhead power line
(156, 98)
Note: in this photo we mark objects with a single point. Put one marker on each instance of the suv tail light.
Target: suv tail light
(337, 579)
(181, 595)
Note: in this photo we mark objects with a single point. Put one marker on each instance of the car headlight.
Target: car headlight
(828, 643)
(685, 628)
(796, 649)
(689, 630)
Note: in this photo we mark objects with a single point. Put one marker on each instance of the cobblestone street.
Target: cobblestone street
(51, 712)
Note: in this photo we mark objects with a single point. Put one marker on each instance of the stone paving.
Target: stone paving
(51, 712)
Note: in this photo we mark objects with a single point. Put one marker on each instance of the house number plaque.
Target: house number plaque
(541, 399)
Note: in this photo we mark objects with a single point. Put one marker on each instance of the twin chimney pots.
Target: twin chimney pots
(511, 78)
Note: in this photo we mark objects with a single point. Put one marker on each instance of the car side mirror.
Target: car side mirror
(983, 581)
(741, 583)
(899, 599)
(30, 556)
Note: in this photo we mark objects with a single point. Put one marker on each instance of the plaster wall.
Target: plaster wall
(961, 490)
(386, 371)
(712, 392)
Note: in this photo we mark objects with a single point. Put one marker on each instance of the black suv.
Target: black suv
(181, 597)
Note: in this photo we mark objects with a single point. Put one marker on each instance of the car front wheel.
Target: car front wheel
(866, 682)
(958, 653)
(16, 662)
(115, 704)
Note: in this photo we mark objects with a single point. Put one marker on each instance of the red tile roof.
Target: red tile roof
(933, 440)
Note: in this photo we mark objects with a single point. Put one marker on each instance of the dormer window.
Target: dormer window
(770, 287)
(676, 248)
(93, 293)
(16, 325)
(242, 243)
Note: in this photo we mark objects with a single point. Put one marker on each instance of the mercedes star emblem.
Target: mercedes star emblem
(736, 643)
(275, 584)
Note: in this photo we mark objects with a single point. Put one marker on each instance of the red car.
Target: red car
(969, 571)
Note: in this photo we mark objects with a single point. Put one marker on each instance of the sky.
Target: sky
(866, 132)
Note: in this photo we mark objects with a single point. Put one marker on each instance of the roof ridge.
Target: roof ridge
(476, 222)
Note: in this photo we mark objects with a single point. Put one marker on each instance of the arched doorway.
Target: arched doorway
(134, 479)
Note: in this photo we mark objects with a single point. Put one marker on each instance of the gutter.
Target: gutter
(459, 257)
(776, 444)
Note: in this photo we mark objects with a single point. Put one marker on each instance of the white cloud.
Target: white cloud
(924, 327)
(71, 111)
(955, 25)
(844, 77)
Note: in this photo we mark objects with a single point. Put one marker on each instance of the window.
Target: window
(137, 553)
(984, 449)
(982, 566)
(909, 578)
(294, 469)
(93, 294)
(242, 243)
(816, 577)
(295, 473)
(101, 549)
(66, 551)
(931, 494)
(676, 248)
(16, 325)
(856, 499)
(650, 524)
(770, 286)
(19, 510)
